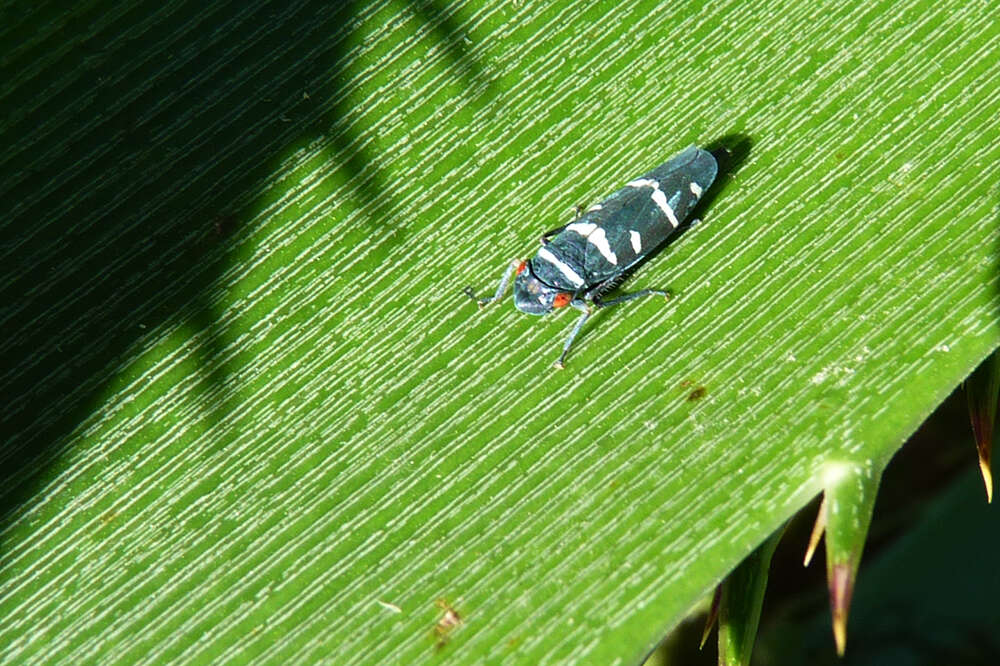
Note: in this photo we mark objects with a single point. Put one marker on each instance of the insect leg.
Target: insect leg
(628, 297)
(582, 307)
(501, 288)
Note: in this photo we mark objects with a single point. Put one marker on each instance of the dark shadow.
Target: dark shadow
(138, 139)
(731, 152)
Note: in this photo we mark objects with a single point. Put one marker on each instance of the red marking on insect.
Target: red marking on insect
(521, 267)
(561, 300)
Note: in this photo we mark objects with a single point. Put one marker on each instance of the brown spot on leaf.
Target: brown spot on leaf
(697, 394)
(446, 624)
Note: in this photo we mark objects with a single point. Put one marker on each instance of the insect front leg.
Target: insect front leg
(585, 310)
(501, 288)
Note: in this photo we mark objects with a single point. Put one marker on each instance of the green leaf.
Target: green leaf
(848, 502)
(250, 413)
(740, 605)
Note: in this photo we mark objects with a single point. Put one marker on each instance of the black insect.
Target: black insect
(587, 258)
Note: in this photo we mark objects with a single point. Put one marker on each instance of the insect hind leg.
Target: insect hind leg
(598, 302)
(597, 295)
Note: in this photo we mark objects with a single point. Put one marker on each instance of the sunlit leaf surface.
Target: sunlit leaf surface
(250, 414)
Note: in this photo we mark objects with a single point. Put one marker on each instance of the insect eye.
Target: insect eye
(561, 300)
(520, 268)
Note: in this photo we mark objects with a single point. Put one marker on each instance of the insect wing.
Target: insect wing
(682, 180)
(601, 238)
(614, 234)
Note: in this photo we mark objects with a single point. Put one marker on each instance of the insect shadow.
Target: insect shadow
(730, 152)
